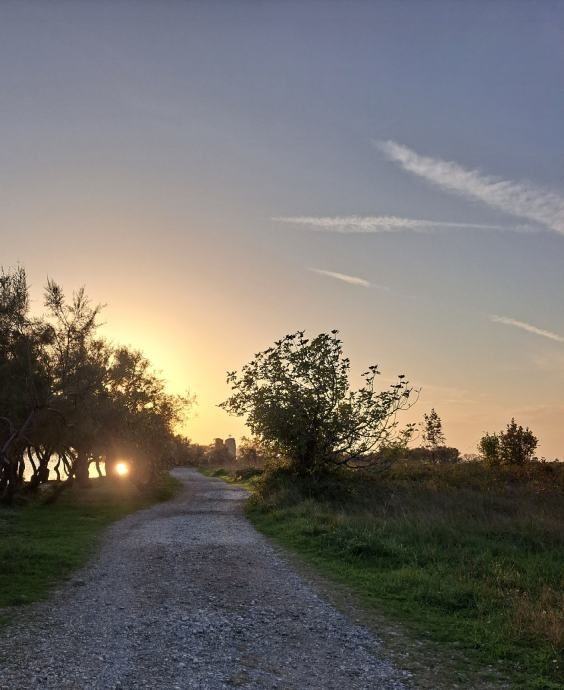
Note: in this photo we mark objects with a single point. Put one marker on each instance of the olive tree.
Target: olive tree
(24, 377)
(68, 398)
(297, 400)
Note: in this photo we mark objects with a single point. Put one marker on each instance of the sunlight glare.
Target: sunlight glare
(122, 469)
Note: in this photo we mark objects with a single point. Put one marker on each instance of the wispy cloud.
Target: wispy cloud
(526, 327)
(380, 224)
(351, 280)
(520, 199)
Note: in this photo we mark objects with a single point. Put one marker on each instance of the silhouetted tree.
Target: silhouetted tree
(296, 399)
(514, 446)
(68, 398)
(24, 377)
(432, 433)
(488, 448)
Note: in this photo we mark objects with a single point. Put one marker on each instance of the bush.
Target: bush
(441, 455)
(282, 485)
(514, 446)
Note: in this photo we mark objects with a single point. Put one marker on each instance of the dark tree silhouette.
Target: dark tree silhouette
(296, 399)
(432, 433)
(69, 399)
(514, 446)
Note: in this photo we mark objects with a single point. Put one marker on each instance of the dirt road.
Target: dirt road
(187, 595)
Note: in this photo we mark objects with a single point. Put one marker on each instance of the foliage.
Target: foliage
(514, 446)
(440, 455)
(297, 400)
(252, 453)
(488, 448)
(466, 555)
(68, 398)
(432, 428)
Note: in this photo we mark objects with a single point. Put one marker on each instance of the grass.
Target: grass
(469, 558)
(247, 476)
(42, 544)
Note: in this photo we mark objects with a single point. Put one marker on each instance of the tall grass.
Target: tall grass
(471, 557)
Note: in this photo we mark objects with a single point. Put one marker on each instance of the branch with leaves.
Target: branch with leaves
(296, 398)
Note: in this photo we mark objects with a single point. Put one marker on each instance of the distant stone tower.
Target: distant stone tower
(231, 448)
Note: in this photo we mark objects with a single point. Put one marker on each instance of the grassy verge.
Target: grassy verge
(243, 476)
(42, 544)
(468, 558)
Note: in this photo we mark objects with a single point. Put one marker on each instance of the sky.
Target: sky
(223, 173)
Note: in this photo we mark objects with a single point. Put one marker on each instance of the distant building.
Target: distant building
(231, 447)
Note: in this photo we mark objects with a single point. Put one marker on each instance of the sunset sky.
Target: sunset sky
(222, 173)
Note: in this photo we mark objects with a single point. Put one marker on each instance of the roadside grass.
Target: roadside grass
(218, 472)
(466, 556)
(41, 544)
(243, 476)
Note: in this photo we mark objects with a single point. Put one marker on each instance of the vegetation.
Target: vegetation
(469, 554)
(466, 555)
(41, 544)
(69, 399)
(433, 436)
(297, 401)
(514, 446)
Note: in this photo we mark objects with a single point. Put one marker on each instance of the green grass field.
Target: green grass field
(468, 558)
(42, 544)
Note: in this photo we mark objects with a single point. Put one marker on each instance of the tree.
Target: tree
(517, 445)
(514, 446)
(24, 378)
(488, 448)
(68, 398)
(79, 361)
(433, 436)
(296, 399)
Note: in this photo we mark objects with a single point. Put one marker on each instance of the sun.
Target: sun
(122, 469)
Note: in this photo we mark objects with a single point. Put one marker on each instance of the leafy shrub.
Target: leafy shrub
(514, 446)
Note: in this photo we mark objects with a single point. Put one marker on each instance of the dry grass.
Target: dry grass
(541, 617)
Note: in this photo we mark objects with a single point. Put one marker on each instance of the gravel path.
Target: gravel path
(187, 595)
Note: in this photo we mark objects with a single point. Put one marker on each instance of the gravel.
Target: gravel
(187, 594)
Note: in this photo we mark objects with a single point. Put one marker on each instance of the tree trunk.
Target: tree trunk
(81, 470)
(56, 468)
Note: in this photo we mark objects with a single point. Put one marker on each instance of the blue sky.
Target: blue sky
(147, 148)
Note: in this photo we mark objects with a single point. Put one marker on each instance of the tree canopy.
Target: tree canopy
(296, 398)
(514, 446)
(69, 398)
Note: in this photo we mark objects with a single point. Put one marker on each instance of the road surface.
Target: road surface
(187, 594)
